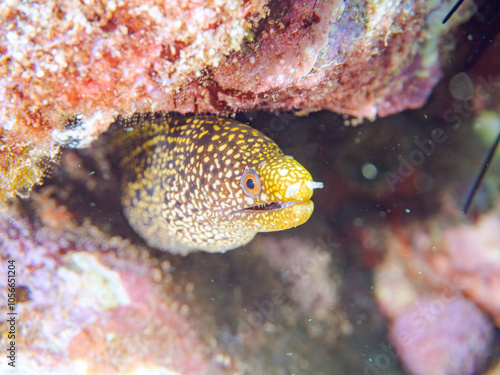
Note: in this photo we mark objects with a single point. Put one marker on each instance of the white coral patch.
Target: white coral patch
(103, 286)
(82, 134)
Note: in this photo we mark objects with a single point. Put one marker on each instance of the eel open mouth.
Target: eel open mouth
(270, 206)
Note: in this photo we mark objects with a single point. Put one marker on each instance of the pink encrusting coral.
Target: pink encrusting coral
(95, 304)
(347, 57)
(471, 257)
(89, 62)
(439, 289)
(442, 337)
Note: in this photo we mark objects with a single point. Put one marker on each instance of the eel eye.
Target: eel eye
(250, 183)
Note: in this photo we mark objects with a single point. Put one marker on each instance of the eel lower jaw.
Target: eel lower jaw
(274, 216)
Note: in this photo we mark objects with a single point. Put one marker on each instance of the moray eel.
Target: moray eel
(207, 183)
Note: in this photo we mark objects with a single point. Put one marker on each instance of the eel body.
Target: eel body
(207, 183)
